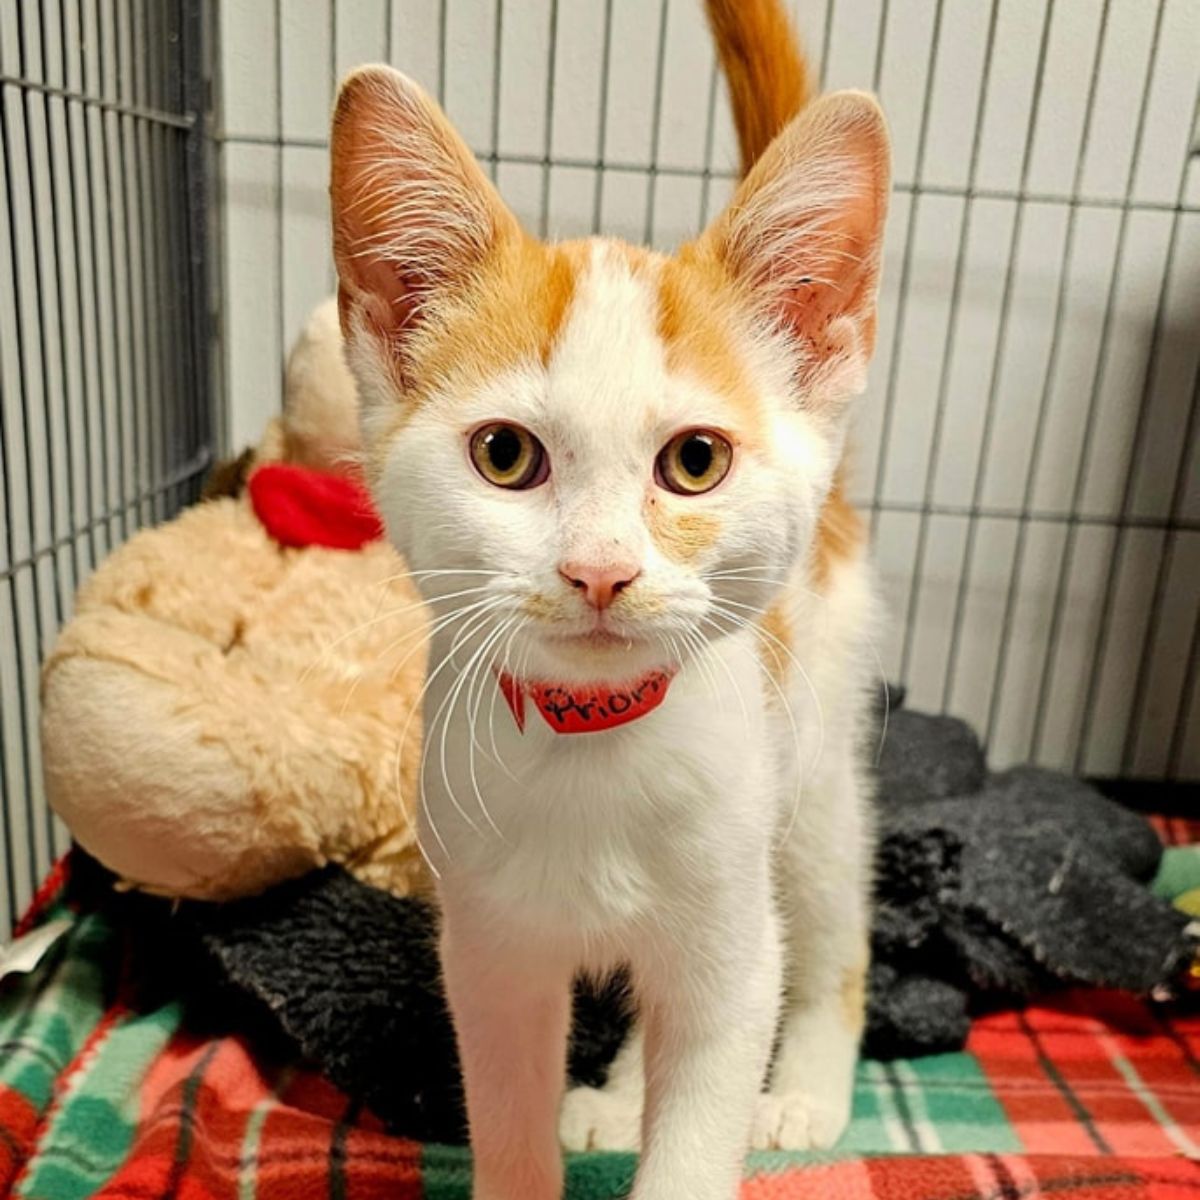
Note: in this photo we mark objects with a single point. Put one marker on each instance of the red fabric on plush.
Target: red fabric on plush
(302, 507)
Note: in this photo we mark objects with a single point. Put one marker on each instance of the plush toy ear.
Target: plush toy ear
(803, 234)
(413, 214)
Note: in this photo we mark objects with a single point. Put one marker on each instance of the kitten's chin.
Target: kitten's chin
(598, 656)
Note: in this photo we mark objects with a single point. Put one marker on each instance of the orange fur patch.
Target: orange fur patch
(840, 533)
(541, 606)
(512, 313)
(697, 314)
(681, 536)
(776, 647)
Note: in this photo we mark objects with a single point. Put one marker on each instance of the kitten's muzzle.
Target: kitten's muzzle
(600, 585)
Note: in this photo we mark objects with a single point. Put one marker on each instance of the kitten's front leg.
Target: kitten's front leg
(824, 871)
(511, 1017)
(709, 1021)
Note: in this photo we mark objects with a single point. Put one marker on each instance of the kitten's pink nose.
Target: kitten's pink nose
(600, 585)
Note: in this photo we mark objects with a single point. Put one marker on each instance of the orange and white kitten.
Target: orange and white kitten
(615, 475)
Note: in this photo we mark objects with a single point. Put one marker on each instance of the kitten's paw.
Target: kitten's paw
(797, 1121)
(598, 1119)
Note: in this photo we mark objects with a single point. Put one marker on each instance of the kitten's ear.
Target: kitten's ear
(413, 214)
(802, 235)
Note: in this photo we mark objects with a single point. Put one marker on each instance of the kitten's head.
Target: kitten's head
(626, 451)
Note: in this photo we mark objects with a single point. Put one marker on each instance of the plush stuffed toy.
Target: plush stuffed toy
(233, 702)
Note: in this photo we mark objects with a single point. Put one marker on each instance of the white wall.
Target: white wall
(1028, 449)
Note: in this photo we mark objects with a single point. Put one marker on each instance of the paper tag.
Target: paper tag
(26, 952)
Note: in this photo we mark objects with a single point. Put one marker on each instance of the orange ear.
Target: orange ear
(413, 215)
(803, 236)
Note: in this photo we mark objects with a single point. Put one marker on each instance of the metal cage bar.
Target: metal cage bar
(106, 411)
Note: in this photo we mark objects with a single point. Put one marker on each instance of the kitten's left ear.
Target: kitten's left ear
(413, 214)
(803, 234)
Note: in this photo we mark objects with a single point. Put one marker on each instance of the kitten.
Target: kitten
(616, 477)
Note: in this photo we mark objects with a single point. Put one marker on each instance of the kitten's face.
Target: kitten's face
(615, 448)
(599, 415)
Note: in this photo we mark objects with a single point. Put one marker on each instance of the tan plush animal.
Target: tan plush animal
(222, 712)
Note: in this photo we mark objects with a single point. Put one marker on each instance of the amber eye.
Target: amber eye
(694, 461)
(509, 456)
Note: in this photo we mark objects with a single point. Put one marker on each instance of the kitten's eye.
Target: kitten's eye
(509, 456)
(694, 461)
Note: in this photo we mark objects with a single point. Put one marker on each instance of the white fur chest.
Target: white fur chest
(585, 838)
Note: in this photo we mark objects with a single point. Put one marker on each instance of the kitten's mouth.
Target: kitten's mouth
(601, 638)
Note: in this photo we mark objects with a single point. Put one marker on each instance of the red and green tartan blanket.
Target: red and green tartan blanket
(1092, 1094)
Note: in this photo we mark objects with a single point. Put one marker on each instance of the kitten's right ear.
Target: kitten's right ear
(413, 214)
(803, 236)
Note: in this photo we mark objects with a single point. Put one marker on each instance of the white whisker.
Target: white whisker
(496, 756)
(738, 576)
(434, 574)
(697, 654)
(424, 632)
(779, 646)
(424, 804)
(787, 708)
(379, 618)
(887, 700)
(490, 639)
(447, 706)
(706, 650)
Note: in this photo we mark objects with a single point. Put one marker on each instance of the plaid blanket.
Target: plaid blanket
(1089, 1095)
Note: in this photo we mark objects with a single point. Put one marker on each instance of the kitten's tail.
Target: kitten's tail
(769, 77)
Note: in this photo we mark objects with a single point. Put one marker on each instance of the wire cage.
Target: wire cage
(106, 411)
(1027, 452)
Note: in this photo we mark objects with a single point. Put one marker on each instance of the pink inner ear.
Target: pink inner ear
(804, 229)
(412, 212)
(841, 281)
(386, 304)
(811, 307)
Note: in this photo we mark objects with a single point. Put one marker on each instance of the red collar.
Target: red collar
(586, 708)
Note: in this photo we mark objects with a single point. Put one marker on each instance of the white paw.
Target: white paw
(598, 1119)
(797, 1121)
